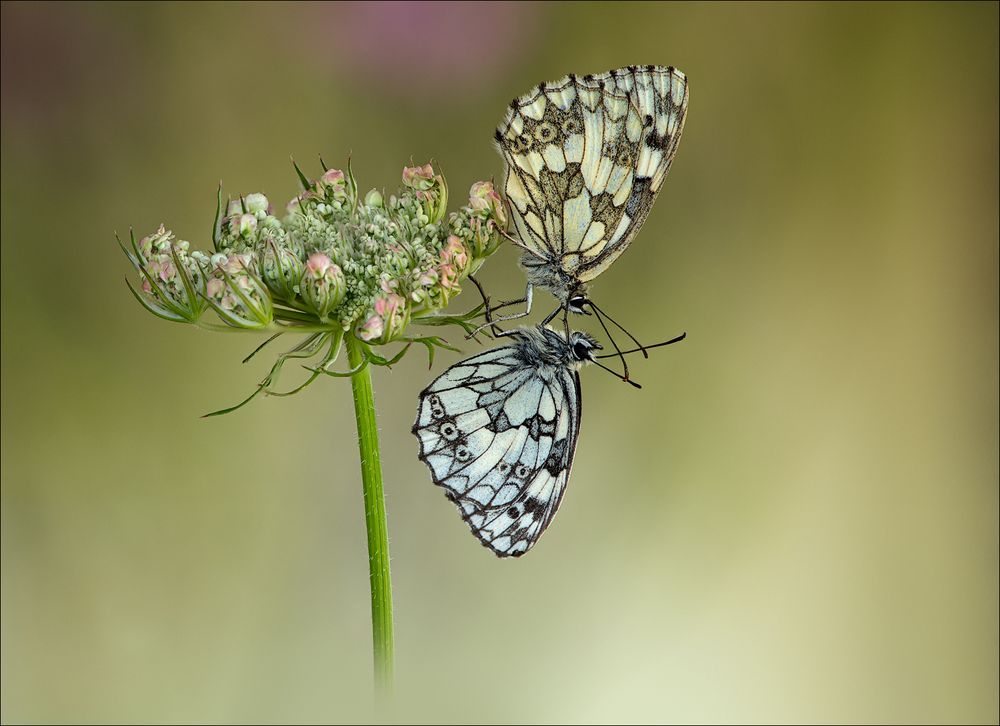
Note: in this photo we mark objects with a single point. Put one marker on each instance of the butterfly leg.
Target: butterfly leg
(491, 322)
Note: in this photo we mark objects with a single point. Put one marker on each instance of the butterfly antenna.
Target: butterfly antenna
(678, 339)
(620, 327)
(615, 373)
(618, 352)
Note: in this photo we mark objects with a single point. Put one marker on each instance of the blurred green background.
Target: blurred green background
(795, 520)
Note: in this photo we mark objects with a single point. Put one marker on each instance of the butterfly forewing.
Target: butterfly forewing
(585, 159)
(498, 434)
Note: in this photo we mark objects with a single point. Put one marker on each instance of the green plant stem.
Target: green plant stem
(375, 521)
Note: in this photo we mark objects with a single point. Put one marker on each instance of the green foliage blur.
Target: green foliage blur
(795, 520)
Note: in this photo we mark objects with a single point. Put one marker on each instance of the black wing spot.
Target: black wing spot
(545, 132)
(640, 191)
(655, 141)
(532, 505)
(514, 512)
(521, 143)
(449, 431)
(571, 126)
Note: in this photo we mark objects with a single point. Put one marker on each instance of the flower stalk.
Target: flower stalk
(375, 519)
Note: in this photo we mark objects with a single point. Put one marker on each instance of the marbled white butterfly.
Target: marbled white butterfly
(498, 432)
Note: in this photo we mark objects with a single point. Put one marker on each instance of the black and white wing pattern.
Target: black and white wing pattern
(586, 157)
(498, 433)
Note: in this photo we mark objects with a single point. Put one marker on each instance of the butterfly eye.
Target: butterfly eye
(545, 132)
(449, 431)
(462, 453)
(437, 412)
(521, 471)
(581, 351)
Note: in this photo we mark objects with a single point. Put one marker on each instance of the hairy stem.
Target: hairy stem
(375, 521)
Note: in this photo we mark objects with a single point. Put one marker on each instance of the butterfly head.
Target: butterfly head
(577, 302)
(582, 346)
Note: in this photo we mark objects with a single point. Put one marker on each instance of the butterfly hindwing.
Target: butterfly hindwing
(585, 157)
(498, 434)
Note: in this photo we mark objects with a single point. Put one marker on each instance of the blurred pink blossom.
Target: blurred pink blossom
(424, 48)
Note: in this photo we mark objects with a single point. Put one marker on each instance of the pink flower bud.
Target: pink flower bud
(371, 328)
(318, 264)
(242, 224)
(388, 305)
(215, 287)
(391, 317)
(235, 263)
(418, 177)
(333, 177)
(426, 278)
(456, 254)
(323, 284)
(448, 277)
(482, 196)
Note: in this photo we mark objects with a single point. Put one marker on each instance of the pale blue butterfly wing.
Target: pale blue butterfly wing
(498, 433)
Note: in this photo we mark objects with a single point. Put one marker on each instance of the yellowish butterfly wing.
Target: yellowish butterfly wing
(585, 159)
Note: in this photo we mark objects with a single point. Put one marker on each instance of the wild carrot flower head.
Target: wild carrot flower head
(335, 262)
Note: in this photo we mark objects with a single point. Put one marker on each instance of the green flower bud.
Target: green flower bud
(256, 204)
(236, 294)
(281, 269)
(171, 278)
